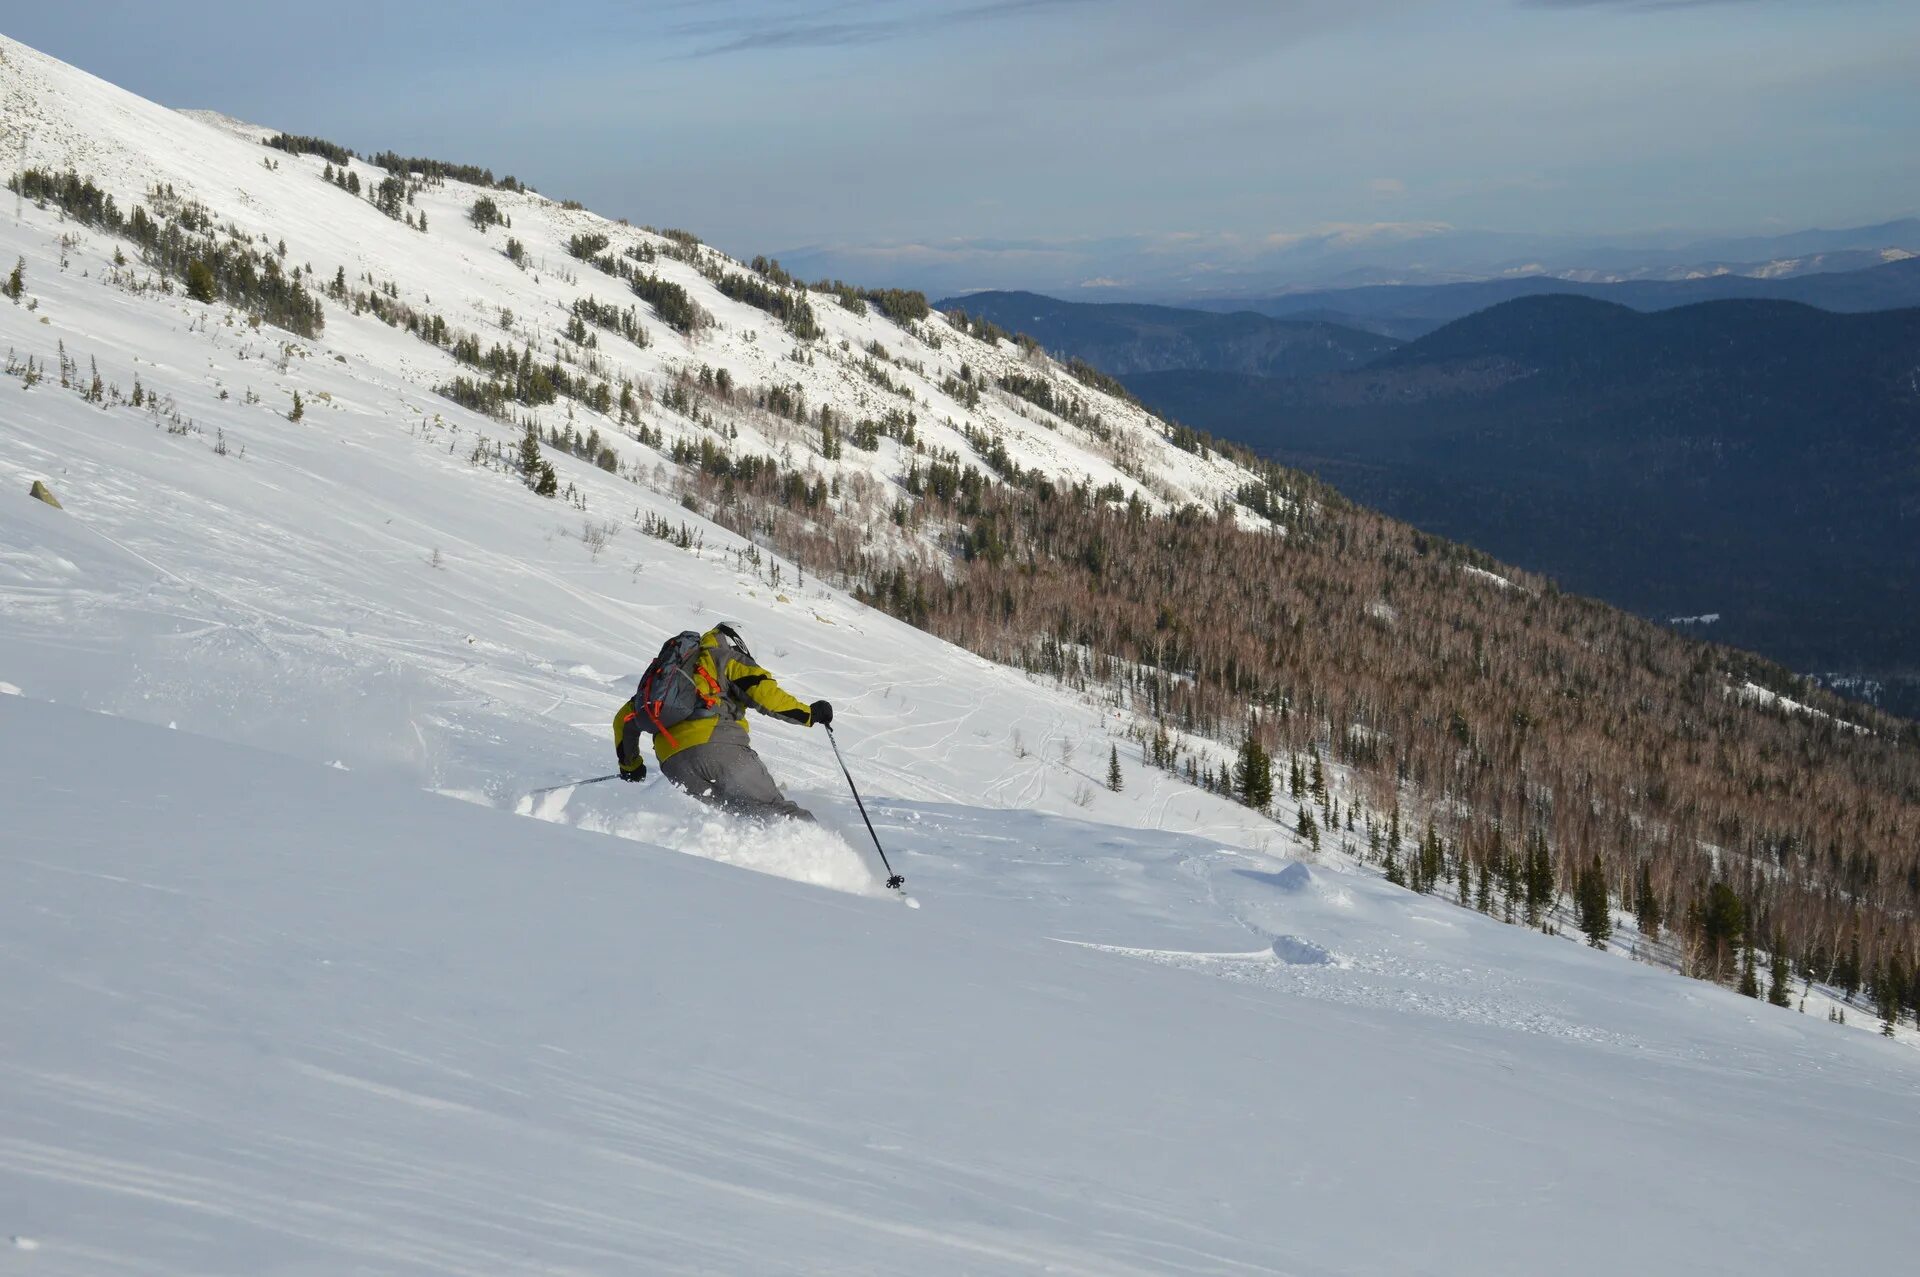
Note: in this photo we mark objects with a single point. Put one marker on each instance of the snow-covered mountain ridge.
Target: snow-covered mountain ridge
(266, 1016)
(62, 120)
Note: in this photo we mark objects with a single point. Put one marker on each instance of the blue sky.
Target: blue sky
(1043, 136)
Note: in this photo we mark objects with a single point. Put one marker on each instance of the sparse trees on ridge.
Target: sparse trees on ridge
(485, 213)
(295, 144)
(178, 239)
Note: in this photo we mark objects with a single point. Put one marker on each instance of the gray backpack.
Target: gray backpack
(676, 689)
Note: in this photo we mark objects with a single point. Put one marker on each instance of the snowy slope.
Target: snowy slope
(270, 1018)
(271, 1007)
(273, 582)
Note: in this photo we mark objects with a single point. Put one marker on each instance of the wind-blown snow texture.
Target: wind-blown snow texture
(271, 1007)
(266, 1016)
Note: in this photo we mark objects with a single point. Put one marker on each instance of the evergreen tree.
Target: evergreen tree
(1890, 992)
(1253, 773)
(390, 196)
(1749, 981)
(1846, 972)
(1777, 977)
(1114, 781)
(299, 408)
(200, 282)
(1305, 829)
(1510, 886)
(1646, 906)
(17, 280)
(547, 483)
(1721, 924)
(1539, 875)
(485, 213)
(1590, 898)
(529, 461)
(1395, 874)
(1427, 870)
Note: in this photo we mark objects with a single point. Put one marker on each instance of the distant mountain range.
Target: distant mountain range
(1123, 339)
(1227, 271)
(1412, 310)
(1755, 459)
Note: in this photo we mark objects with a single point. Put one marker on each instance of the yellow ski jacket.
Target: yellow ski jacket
(738, 683)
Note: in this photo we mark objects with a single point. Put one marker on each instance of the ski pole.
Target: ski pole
(894, 880)
(569, 784)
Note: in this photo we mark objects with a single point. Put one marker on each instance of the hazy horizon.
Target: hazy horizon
(1070, 144)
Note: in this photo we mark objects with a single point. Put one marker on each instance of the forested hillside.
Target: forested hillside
(1504, 744)
(1753, 461)
(1125, 339)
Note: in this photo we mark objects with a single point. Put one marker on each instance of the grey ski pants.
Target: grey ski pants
(730, 775)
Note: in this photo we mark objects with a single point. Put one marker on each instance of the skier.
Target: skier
(693, 699)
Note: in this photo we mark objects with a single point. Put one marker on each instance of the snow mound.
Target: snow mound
(255, 133)
(1296, 952)
(1295, 877)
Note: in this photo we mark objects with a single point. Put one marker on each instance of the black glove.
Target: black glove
(638, 773)
(822, 712)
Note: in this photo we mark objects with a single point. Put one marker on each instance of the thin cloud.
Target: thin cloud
(1643, 5)
(1348, 234)
(823, 27)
